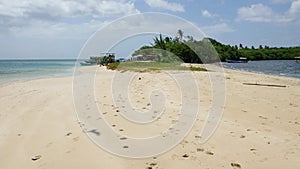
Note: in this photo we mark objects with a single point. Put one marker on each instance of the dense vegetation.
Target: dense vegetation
(187, 49)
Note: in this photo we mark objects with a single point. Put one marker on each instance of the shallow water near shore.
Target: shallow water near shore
(287, 68)
(14, 70)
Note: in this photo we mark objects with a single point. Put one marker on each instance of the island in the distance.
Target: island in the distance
(209, 50)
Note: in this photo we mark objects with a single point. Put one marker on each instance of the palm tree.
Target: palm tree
(160, 43)
(180, 34)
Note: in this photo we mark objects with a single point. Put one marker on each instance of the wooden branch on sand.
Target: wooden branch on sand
(268, 85)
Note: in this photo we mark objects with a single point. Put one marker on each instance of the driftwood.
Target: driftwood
(268, 85)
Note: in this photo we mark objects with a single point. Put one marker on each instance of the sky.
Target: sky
(60, 28)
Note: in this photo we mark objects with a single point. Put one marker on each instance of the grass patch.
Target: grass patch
(197, 69)
(149, 66)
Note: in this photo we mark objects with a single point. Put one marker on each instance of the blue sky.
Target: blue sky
(60, 28)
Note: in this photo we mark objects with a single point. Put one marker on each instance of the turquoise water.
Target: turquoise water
(14, 70)
(288, 68)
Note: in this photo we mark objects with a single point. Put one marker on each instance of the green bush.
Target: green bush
(113, 66)
(197, 69)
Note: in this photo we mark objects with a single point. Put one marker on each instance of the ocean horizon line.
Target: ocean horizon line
(37, 59)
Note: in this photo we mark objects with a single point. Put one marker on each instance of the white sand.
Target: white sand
(260, 127)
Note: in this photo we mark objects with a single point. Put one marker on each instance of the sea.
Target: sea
(287, 68)
(16, 70)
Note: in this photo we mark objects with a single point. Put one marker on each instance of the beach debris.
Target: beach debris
(36, 157)
(242, 136)
(125, 146)
(261, 84)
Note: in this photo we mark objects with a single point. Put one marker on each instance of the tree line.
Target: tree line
(187, 49)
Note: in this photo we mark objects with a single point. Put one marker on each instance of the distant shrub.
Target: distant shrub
(197, 69)
(113, 66)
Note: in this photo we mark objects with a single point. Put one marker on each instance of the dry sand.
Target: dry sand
(260, 127)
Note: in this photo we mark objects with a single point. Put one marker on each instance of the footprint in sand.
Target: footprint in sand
(75, 139)
(68, 134)
(94, 131)
(198, 137)
(253, 150)
(123, 138)
(242, 136)
(235, 165)
(151, 165)
(185, 155)
(209, 153)
(262, 117)
(36, 157)
(49, 144)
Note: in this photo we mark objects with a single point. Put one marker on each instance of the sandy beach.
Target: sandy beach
(260, 127)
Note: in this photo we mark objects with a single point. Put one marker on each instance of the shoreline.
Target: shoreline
(33, 79)
(261, 73)
(224, 68)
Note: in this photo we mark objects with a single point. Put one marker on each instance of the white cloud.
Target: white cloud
(57, 9)
(59, 18)
(256, 13)
(260, 13)
(163, 4)
(207, 14)
(48, 30)
(217, 29)
(294, 11)
(281, 1)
